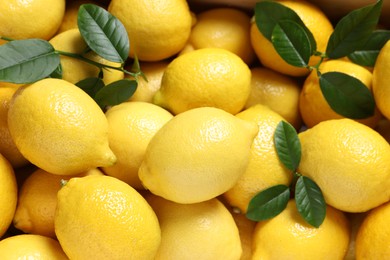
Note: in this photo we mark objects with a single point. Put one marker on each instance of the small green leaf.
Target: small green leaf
(103, 33)
(292, 43)
(115, 93)
(353, 30)
(347, 95)
(269, 13)
(26, 61)
(268, 203)
(57, 73)
(366, 55)
(287, 144)
(310, 202)
(91, 85)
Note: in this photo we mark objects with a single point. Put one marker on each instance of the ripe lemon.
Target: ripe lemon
(8, 199)
(349, 162)
(197, 155)
(245, 228)
(314, 19)
(157, 29)
(30, 19)
(264, 168)
(313, 105)
(27, 246)
(380, 82)
(204, 230)
(372, 239)
(7, 146)
(227, 28)
(59, 128)
(131, 125)
(272, 89)
(102, 217)
(74, 70)
(288, 236)
(37, 201)
(206, 77)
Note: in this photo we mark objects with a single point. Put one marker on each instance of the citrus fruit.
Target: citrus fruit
(210, 77)
(381, 80)
(197, 155)
(245, 229)
(131, 125)
(101, 217)
(349, 162)
(157, 29)
(59, 128)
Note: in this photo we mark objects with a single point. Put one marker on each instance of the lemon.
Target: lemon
(74, 70)
(288, 236)
(349, 162)
(30, 19)
(246, 228)
(381, 80)
(314, 19)
(101, 217)
(312, 104)
(197, 155)
(208, 77)
(59, 128)
(37, 201)
(204, 230)
(272, 89)
(157, 29)
(131, 125)
(8, 199)
(26, 246)
(373, 235)
(264, 168)
(225, 27)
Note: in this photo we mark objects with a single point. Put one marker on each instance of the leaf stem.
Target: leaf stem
(6, 38)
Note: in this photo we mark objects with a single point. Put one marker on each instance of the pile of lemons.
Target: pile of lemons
(169, 173)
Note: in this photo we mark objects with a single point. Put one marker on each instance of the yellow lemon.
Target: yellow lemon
(227, 28)
(272, 89)
(157, 29)
(312, 104)
(37, 201)
(246, 228)
(264, 168)
(74, 70)
(314, 19)
(59, 128)
(197, 155)
(30, 19)
(131, 125)
(288, 236)
(204, 230)
(9, 191)
(206, 77)
(27, 246)
(101, 217)
(381, 80)
(349, 162)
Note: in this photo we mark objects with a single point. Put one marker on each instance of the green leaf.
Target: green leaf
(103, 33)
(26, 61)
(347, 95)
(353, 30)
(269, 13)
(57, 73)
(268, 203)
(115, 93)
(91, 85)
(309, 201)
(367, 54)
(287, 145)
(290, 40)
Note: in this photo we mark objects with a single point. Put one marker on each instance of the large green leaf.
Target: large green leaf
(287, 144)
(103, 33)
(115, 93)
(91, 85)
(26, 61)
(353, 30)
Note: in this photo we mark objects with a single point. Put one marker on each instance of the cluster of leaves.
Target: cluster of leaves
(30, 60)
(354, 36)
